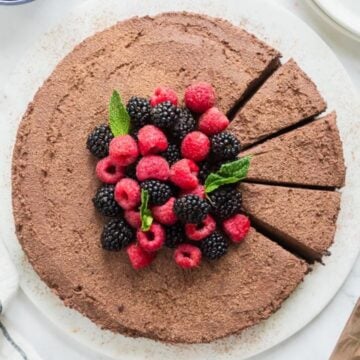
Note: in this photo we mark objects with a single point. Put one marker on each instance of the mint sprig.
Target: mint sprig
(119, 119)
(145, 213)
(229, 173)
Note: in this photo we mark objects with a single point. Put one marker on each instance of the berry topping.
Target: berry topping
(172, 154)
(224, 146)
(139, 258)
(191, 209)
(164, 214)
(159, 192)
(199, 97)
(116, 235)
(152, 167)
(162, 94)
(187, 256)
(139, 110)
(99, 140)
(130, 170)
(165, 115)
(214, 246)
(185, 124)
(202, 230)
(184, 174)
(236, 227)
(123, 149)
(133, 218)
(151, 140)
(108, 171)
(127, 193)
(199, 191)
(213, 121)
(175, 235)
(104, 201)
(195, 146)
(153, 239)
(205, 168)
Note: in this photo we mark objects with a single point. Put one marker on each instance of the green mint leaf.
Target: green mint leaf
(145, 213)
(119, 119)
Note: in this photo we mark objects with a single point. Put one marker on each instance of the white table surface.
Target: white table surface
(316, 341)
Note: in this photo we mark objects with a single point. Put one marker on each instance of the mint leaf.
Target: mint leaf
(229, 173)
(119, 119)
(145, 213)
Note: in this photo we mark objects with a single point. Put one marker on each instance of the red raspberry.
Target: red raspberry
(152, 167)
(127, 193)
(109, 171)
(199, 191)
(195, 146)
(133, 218)
(199, 97)
(164, 214)
(162, 94)
(139, 258)
(213, 121)
(199, 232)
(151, 140)
(124, 150)
(187, 256)
(153, 239)
(184, 174)
(237, 227)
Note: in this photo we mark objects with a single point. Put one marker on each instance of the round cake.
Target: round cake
(297, 165)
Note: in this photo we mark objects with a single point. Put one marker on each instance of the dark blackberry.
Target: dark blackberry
(116, 235)
(139, 111)
(130, 170)
(225, 201)
(175, 235)
(159, 192)
(185, 124)
(214, 246)
(224, 146)
(191, 209)
(165, 115)
(98, 141)
(205, 168)
(172, 154)
(104, 201)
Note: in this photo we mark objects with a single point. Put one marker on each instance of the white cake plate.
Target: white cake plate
(293, 38)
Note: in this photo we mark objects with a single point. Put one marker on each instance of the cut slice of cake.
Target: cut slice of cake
(309, 156)
(285, 99)
(304, 220)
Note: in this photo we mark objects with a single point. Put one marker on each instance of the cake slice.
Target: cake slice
(309, 156)
(286, 98)
(304, 220)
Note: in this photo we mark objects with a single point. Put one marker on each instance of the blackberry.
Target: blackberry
(139, 111)
(98, 141)
(159, 192)
(130, 170)
(224, 146)
(214, 246)
(165, 115)
(191, 209)
(116, 235)
(104, 201)
(175, 235)
(185, 124)
(225, 202)
(205, 168)
(172, 154)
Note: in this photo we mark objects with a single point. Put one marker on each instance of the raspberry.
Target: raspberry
(225, 201)
(184, 125)
(139, 258)
(127, 193)
(162, 94)
(195, 146)
(213, 121)
(175, 235)
(172, 154)
(236, 227)
(151, 140)
(139, 111)
(200, 231)
(116, 235)
(104, 201)
(152, 167)
(190, 209)
(224, 146)
(123, 149)
(164, 214)
(108, 171)
(153, 239)
(199, 97)
(214, 246)
(98, 141)
(199, 191)
(165, 115)
(187, 256)
(133, 218)
(184, 174)
(159, 192)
